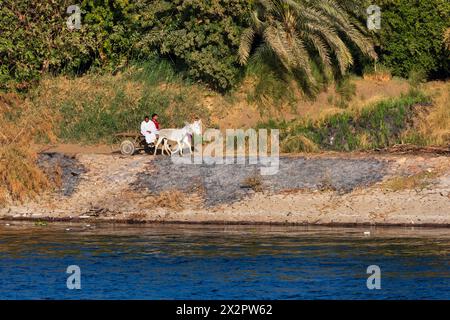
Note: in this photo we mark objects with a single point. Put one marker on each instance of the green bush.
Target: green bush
(411, 36)
(202, 37)
(417, 76)
(346, 90)
(34, 39)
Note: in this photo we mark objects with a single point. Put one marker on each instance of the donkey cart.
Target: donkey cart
(131, 143)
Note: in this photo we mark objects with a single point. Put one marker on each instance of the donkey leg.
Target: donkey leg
(189, 146)
(176, 149)
(167, 148)
(180, 147)
(157, 144)
(169, 152)
(163, 147)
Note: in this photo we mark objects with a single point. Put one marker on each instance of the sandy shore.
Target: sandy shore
(327, 189)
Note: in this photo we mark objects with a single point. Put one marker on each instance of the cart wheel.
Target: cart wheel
(127, 148)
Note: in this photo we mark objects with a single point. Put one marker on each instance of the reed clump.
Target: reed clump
(20, 124)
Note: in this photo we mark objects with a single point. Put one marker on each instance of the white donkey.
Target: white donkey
(181, 136)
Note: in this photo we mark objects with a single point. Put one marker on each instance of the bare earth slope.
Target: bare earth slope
(320, 189)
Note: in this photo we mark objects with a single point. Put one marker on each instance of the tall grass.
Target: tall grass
(377, 126)
(20, 123)
(435, 125)
(95, 107)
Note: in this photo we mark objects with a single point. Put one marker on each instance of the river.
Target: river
(119, 261)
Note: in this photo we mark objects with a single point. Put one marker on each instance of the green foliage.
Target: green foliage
(412, 36)
(417, 76)
(346, 90)
(302, 33)
(155, 70)
(377, 126)
(113, 23)
(35, 40)
(271, 84)
(202, 37)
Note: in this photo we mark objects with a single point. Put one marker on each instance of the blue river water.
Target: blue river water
(221, 262)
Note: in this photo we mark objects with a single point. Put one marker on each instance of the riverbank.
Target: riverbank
(322, 189)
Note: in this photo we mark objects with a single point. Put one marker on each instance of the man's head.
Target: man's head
(147, 119)
(155, 116)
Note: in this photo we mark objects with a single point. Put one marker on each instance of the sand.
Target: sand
(324, 189)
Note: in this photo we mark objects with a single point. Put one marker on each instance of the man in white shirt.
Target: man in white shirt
(148, 130)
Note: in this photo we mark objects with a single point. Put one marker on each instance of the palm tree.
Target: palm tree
(296, 31)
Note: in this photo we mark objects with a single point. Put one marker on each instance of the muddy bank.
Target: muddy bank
(327, 189)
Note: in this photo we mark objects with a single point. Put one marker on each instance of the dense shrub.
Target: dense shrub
(412, 36)
(35, 40)
(201, 36)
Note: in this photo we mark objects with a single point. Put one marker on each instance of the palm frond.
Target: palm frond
(245, 46)
(297, 30)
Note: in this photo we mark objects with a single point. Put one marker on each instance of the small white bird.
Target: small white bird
(367, 233)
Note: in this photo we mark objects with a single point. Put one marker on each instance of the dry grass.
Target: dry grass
(92, 108)
(254, 183)
(435, 126)
(378, 76)
(416, 182)
(242, 113)
(364, 141)
(298, 143)
(379, 73)
(21, 123)
(170, 199)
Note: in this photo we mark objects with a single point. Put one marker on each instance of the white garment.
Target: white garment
(149, 131)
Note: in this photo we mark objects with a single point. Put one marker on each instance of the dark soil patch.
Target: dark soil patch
(227, 183)
(65, 169)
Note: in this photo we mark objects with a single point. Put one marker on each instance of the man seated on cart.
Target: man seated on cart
(149, 130)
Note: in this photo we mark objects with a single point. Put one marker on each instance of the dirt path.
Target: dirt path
(320, 189)
(75, 149)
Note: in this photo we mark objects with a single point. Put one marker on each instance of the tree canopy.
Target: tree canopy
(207, 40)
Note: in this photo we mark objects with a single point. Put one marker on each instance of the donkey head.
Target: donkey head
(196, 127)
